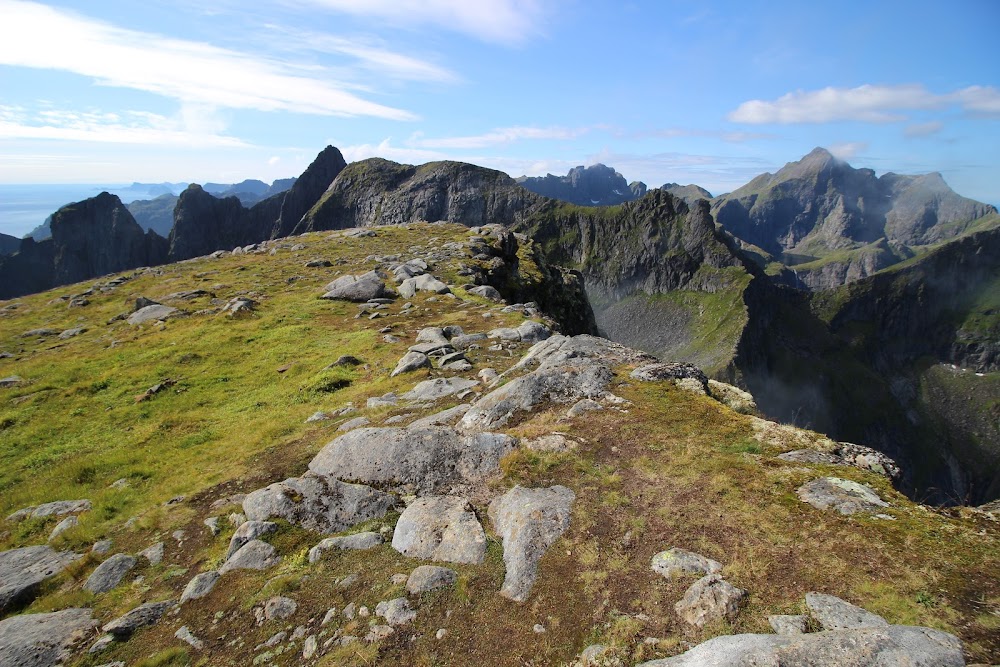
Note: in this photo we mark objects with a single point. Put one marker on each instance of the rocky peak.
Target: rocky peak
(596, 185)
(307, 190)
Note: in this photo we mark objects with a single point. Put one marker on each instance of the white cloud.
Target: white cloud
(848, 149)
(868, 103)
(41, 37)
(193, 127)
(503, 21)
(386, 150)
(273, 160)
(923, 129)
(499, 136)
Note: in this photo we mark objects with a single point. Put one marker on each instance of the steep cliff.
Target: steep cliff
(203, 224)
(9, 244)
(307, 190)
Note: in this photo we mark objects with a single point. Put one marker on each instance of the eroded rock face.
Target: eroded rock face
(882, 647)
(43, 640)
(441, 528)
(416, 460)
(318, 502)
(529, 521)
(22, 570)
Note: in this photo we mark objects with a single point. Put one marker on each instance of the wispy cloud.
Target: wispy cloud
(41, 37)
(728, 136)
(868, 103)
(923, 129)
(193, 127)
(499, 21)
(386, 150)
(499, 136)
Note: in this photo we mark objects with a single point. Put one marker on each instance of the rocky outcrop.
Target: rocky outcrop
(307, 190)
(23, 570)
(689, 193)
(596, 185)
(204, 223)
(43, 640)
(441, 528)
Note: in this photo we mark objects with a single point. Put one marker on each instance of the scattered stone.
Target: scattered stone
(279, 608)
(11, 381)
(583, 407)
(63, 526)
(358, 541)
(422, 283)
(57, 508)
(185, 635)
(153, 313)
(319, 502)
(377, 633)
(678, 562)
(657, 372)
(466, 341)
(102, 547)
(350, 611)
(357, 288)
(440, 528)
(529, 521)
(444, 418)
(310, 647)
(486, 292)
(143, 615)
(785, 624)
(23, 570)
(413, 460)
(153, 554)
(398, 578)
(733, 397)
(710, 599)
(553, 442)
(842, 495)
(383, 401)
(428, 578)
(411, 361)
(813, 456)
(594, 656)
(347, 360)
(239, 307)
(318, 263)
(432, 390)
(72, 333)
(212, 523)
(102, 644)
(43, 640)
(348, 581)
(41, 333)
(254, 555)
(200, 585)
(396, 612)
(352, 424)
(110, 573)
(441, 633)
(533, 332)
(250, 530)
(832, 613)
(538, 629)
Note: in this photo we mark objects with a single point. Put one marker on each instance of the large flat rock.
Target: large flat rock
(43, 640)
(441, 528)
(318, 502)
(427, 460)
(23, 570)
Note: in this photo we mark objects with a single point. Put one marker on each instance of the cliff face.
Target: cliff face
(307, 190)
(380, 192)
(29, 270)
(98, 236)
(203, 224)
(9, 244)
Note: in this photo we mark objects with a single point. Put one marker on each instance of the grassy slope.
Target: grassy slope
(672, 469)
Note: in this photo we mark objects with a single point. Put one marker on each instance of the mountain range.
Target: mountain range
(804, 286)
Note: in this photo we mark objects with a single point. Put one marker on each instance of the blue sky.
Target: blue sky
(706, 92)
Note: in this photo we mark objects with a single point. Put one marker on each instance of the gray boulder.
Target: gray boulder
(396, 611)
(529, 521)
(110, 573)
(56, 508)
(428, 578)
(63, 526)
(416, 460)
(153, 313)
(357, 289)
(411, 361)
(486, 292)
(832, 613)
(279, 608)
(432, 390)
(440, 528)
(23, 570)
(154, 553)
(43, 640)
(444, 418)
(533, 332)
(425, 282)
(143, 615)
(678, 562)
(200, 585)
(710, 599)
(254, 555)
(356, 542)
(318, 501)
(659, 371)
(785, 624)
(842, 495)
(249, 530)
(891, 646)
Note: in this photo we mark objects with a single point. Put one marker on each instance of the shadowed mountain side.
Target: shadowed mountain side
(596, 185)
(9, 244)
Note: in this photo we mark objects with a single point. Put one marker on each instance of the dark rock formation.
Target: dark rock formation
(307, 190)
(9, 244)
(203, 224)
(155, 214)
(689, 193)
(596, 185)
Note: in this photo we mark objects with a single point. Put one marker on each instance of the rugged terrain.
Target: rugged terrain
(596, 185)
(161, 415)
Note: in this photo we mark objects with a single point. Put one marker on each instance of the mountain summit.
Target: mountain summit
(596, 185)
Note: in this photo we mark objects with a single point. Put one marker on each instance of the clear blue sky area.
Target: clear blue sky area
(711, 93)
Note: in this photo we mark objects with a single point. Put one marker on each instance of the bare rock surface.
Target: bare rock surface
(153, 313)
(428, 578)
(23, 570)
(891, 646)
(358, 289)
(414, 460)
(254, 555)
(677, 562)
(356, 542)
(529, 521)
(440, 528)
(444, 418)
(318, 502)
(143, 615)
(832, 613)
(411, 361)
(396, 612)
(432, 390)
(249, 530)
(841, 495)
(200, 585)
(43, 640)
(55, 508)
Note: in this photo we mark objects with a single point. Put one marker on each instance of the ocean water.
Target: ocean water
(24, 207)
